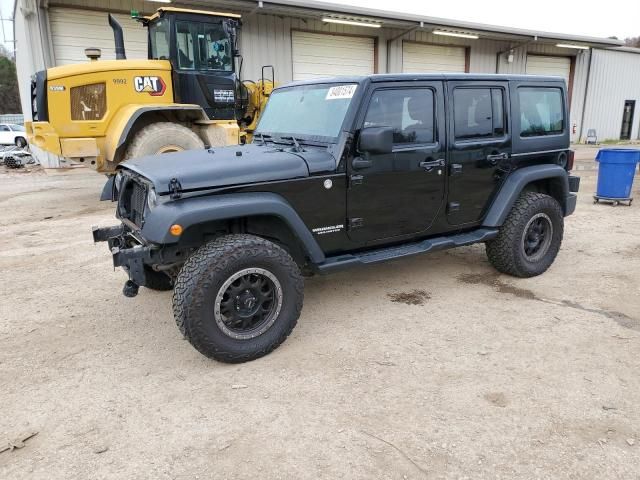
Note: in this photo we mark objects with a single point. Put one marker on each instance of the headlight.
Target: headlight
(152, 198)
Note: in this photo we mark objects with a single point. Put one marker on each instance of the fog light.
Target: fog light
(175, 230)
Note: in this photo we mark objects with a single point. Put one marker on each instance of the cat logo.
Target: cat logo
(154, 86)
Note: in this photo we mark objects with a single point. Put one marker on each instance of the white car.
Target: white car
(12, 134)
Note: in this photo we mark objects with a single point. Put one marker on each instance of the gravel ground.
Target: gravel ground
(430, 367)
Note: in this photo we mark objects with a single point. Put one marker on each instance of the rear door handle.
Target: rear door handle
(493, 159)
(429, 165)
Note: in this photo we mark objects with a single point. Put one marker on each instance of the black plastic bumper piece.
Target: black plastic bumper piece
(574, 183)
(132, 260)
(106, 233)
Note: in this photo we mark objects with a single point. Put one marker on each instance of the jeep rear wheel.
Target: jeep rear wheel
(162, 137)
(530, 237)
(238, 298)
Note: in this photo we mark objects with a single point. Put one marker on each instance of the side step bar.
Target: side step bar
(339, 262)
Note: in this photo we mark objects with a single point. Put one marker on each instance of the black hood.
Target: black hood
(227, 166)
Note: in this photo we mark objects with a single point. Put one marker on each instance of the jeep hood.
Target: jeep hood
(229, 166)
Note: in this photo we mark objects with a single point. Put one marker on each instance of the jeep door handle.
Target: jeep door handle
(429, 165)
(494, 159)
(359, 163)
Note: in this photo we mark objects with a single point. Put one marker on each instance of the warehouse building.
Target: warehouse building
(308, 39)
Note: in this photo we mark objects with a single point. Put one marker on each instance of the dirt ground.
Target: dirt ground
(430, 367)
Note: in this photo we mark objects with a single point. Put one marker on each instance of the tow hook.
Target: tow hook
(130, 289)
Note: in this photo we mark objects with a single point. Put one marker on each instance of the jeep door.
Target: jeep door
(400, 192)
(480, 147)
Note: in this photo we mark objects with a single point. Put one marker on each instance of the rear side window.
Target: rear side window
(410, 112)
(478, 112)
(541, 111)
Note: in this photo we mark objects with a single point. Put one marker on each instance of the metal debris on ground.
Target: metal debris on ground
(17, 443)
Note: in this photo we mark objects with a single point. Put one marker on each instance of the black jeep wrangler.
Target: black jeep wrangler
(344, 172)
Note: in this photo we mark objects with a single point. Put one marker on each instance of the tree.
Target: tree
(9, 94)
(632, 42)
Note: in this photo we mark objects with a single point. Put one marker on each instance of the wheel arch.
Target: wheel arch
(132, 118)
(267, 215)
(552, 180)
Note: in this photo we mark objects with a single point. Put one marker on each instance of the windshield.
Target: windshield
(307, 111)
(16, 128)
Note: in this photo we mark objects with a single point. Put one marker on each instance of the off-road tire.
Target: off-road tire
(505, 252)
(157, 280)
(21, 142)
(201, 278)
(158, 137)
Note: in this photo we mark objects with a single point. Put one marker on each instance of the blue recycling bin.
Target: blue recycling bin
(617, 167)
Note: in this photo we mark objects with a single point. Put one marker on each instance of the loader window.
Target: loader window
(185, 33)
(203, 46)
(159, 40)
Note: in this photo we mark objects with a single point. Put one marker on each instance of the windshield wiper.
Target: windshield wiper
(297, 146)
(263, 136)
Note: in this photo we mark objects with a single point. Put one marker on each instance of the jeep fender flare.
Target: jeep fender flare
(194, 211)
(515, 184)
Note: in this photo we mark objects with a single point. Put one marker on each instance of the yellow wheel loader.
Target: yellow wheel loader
(187, 95)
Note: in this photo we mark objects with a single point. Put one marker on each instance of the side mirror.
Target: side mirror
(376, 140)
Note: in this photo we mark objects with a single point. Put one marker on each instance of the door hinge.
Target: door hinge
(356, 179)
(355, 223)
(175, 188)
(456, 169)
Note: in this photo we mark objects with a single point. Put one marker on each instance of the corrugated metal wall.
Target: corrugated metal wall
(615, 77)
(266, 40)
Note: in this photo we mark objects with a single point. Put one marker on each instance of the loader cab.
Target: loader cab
(201, 47)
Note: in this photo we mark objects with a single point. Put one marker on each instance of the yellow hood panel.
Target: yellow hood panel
(64, 71)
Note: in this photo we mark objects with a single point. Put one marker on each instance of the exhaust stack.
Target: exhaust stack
(117, 37)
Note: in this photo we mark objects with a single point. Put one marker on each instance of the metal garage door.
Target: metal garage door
(74, 30)
(422, 58)
(318, 55)
(545, 65)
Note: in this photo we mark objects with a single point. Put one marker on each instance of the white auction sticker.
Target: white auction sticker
(341, 91)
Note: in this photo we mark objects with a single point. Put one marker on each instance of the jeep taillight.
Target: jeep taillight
(570, 155)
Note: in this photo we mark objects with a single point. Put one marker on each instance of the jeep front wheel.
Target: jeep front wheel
(530, 237)
(238, 298)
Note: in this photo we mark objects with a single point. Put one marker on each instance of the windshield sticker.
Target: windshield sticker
(341, 91)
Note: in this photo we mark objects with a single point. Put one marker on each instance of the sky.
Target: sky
(594, 18)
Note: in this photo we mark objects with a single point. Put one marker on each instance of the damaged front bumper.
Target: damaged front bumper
(127, 251)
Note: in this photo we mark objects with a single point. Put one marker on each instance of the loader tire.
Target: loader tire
(162, 137)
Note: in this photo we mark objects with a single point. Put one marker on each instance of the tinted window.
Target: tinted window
(409, 112)
(472, 111)
(541, 111)
(498, 111)
(4, 128)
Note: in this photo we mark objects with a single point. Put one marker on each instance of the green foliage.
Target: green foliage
(9, 94)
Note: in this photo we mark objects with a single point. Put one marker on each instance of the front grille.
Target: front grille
(89, 102)
(132, 201)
